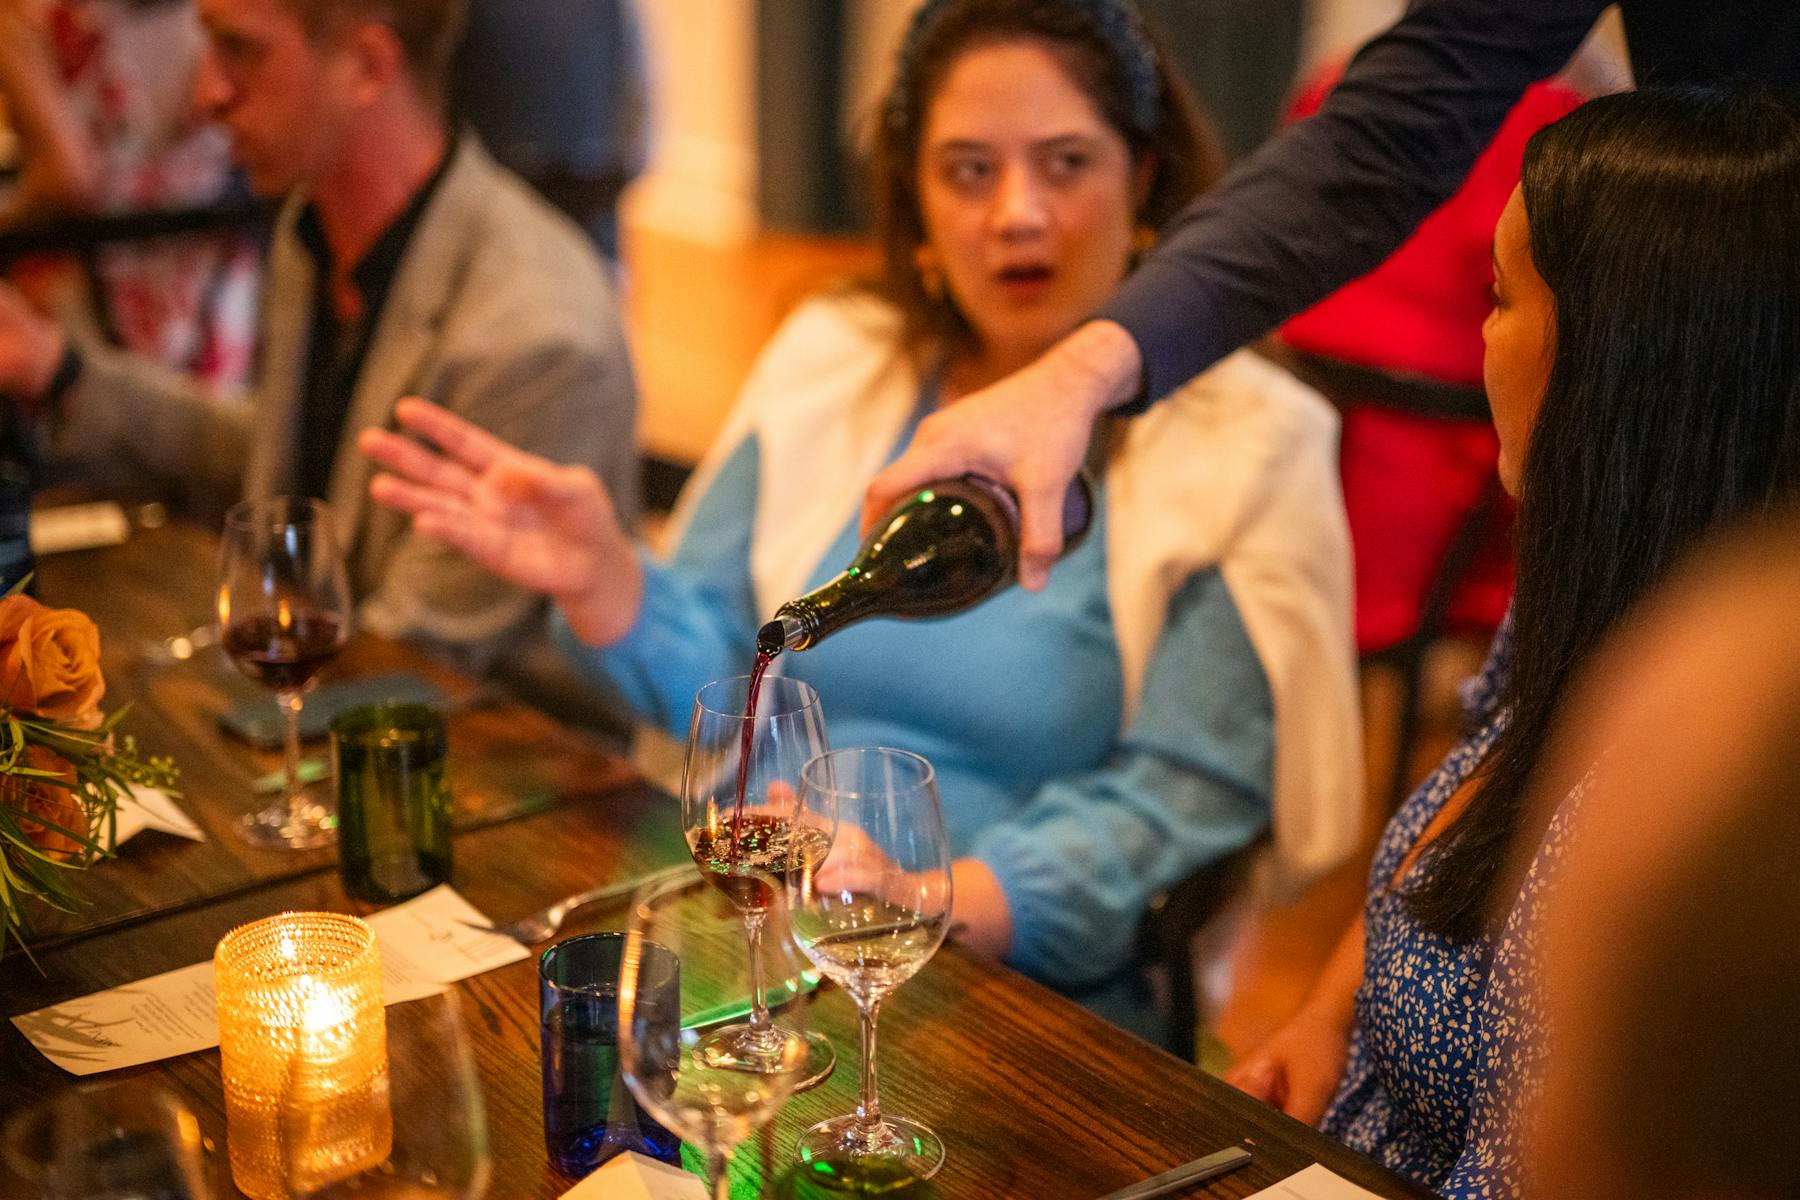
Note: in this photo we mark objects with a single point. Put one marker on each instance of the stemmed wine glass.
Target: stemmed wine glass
(869, 914)
(684, 949)
(284, 612)
(440, 1143)
(747, 742)
(108, 1142)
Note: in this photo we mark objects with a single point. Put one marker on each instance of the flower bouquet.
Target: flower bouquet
(63, 766)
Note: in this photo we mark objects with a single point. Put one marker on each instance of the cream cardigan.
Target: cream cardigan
(1238, 469)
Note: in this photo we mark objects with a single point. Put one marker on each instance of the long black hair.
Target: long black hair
(1667, 226)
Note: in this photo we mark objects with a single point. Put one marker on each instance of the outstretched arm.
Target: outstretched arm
(532, 522)
(1333, 196)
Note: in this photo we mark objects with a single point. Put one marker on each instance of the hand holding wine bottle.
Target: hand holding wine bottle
(1029, 432)
(533, 522)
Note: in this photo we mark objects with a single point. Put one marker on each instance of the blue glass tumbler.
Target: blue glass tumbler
(589, 1113)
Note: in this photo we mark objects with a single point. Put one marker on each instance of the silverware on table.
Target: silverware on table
(543, 925)
(1184, 1176)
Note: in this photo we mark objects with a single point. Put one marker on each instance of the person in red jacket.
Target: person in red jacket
(1400, 351)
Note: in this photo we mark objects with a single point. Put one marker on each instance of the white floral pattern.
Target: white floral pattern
(1448, 1035)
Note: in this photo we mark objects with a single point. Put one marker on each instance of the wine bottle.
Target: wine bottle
(948, 547)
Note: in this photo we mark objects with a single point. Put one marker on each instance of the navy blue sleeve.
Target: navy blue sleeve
(1329, 199)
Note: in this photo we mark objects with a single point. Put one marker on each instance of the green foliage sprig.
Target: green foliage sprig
(101, 766)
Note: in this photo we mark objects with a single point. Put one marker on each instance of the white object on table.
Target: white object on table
(426, 945)
(1315, 1183)
(632, 1176)
(142, 808)
(77, 527)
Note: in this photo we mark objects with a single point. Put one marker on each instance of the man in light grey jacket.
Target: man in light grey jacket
(404, 262)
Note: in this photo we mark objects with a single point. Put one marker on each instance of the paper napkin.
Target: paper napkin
(632, 1176)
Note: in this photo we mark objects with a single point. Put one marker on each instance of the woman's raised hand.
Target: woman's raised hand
(533, 522)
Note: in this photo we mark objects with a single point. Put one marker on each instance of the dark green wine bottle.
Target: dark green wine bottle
(951, 545)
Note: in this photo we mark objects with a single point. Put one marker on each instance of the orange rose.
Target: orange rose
(44, 799)
(50, 662)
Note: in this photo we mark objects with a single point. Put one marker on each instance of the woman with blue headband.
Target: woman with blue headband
(1184, 686)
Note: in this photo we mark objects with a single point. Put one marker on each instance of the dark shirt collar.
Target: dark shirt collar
(336, 349)
(375, 273)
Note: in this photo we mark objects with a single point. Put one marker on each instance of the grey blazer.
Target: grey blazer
(500, 312)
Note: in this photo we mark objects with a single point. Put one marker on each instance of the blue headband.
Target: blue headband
(1116, 21)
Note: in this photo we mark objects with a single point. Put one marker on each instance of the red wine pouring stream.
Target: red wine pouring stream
(946, 548)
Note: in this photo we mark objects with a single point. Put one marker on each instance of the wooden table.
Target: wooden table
(506, 759)
(1034, 1096)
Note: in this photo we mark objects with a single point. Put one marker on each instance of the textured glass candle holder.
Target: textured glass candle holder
(303, 1052)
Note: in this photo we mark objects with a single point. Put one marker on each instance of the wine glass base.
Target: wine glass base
(279, 827)
(736, 1048)
(892, 1155)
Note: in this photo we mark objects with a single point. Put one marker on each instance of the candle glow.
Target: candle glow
(303, 1052)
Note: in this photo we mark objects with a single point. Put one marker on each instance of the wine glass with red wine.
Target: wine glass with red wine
(284, 612)
(748, 740)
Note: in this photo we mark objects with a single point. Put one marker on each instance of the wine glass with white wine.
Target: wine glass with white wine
(870, 912)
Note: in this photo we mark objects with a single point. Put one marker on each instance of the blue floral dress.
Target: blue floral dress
(1445, 1048)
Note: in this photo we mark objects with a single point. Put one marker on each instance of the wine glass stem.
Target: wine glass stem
(719, 1164)
(868, 1107)
(759, 1005)
(289, 700)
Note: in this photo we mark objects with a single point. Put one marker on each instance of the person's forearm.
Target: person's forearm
(603, 613)
(1330, 198)
(1102, 361)
(681, 636)
(127, 412)
(1333, 996)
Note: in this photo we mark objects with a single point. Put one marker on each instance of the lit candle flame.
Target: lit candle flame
(323, 1008)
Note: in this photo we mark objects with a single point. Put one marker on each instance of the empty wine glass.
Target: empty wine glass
(284, 612)
(115, 1142)
(746, 748)
(440, 1148)
(692, 932)
(869, 914)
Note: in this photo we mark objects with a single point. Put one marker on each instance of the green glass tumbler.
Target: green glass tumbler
(393, 800)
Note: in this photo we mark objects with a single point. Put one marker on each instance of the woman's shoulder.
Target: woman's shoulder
(837, 323)
(1234, 437)
(1249, 391)
(838, 352)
